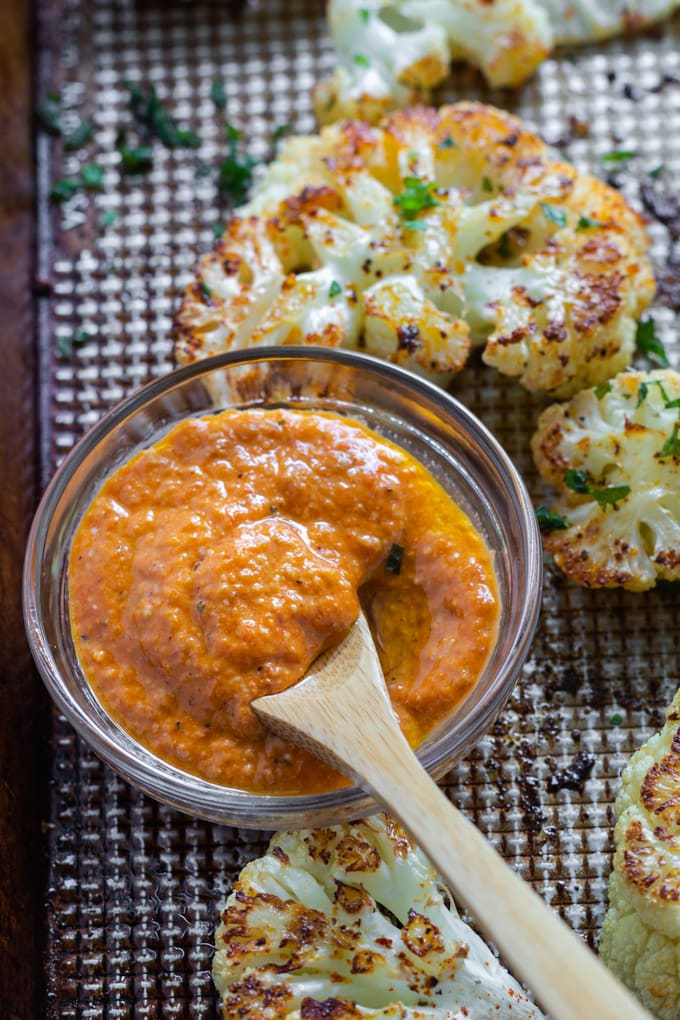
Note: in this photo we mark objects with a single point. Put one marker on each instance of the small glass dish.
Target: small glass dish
(430, 424)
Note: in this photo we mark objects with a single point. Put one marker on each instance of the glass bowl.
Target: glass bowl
(430, 424)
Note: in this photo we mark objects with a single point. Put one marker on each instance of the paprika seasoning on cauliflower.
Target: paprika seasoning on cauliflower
(351, 922)
(613, 454)
(419, 238)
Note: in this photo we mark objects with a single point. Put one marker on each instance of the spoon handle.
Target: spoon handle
(345, 717)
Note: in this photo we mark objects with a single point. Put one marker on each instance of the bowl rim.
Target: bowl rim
(284, 810)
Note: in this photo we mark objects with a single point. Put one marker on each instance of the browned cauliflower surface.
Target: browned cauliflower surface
(415, 239)
(613, 454)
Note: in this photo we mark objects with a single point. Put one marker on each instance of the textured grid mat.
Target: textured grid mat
(134, 888)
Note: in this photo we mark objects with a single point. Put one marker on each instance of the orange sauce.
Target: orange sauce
(213, 567)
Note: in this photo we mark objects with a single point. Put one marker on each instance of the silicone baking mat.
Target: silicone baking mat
(134, 888)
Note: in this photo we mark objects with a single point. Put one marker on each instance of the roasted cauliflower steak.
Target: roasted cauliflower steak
(351, 921)
(640, 939)
(613, 454)
(391, 55)
(417, 238)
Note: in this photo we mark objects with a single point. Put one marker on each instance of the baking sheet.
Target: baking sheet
(134, 888)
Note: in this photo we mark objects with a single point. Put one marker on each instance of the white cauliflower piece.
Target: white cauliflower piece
(581, 21)
(641, 932)
(613, 453)
(414, 239)
(351, 921)
(391, 55)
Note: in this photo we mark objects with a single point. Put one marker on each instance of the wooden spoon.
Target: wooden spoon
(341, 712)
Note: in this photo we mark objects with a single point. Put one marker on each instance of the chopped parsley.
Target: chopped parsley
(548, 521)
(644, 390)
(334, 289)
(607, 495)
(417, 196)
(236, 172)
(218, 94)
(648, 342)
(217, 229)
(394, 559)
(487, 184)
(447, 143)
(616, 719)
(586, 223)
(206, 291)
(364, 14)
(657, 171)
(619, 156)
(136, 160)
(66, 344)
(108, 217)
(671, 448)
(279, 131)
(554, 213)
(92, 176)
(64, 189)
(151, 115)
(48, 113)
(80, 136)
(361, 60)
(602, 390)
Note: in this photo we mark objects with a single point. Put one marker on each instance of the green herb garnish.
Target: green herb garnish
(136, 160)
(66, 344)
(92, 176)
(447, 143)
(616, 719)
(586, 223)
(394, 559)
(548, 521)
(487, 184)
(671, 448)
(279, 131)
(206, 291)
(108, 217)
(602, 390)
(217, 229)
(417, 196)
(334, 289)
(80, 136)
(644, 390)
(218, 94)
(554, 213)
(64, 189)
(152, 115)
(607, 495)
(648, 342)
(236, 176)
(619, 156)
(361, 60)
(48, 113)
(365, 14)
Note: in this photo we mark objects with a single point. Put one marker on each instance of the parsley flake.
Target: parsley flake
(607, 495)
(648, 342)
(671, 448)
(66, 344)
(217, 229)
(417, 196)
(361, 60)
(218, 94)
(616, 719)
(48, 113)
(80, 136)
(334, 289)
(619, 156)
(63, 189)
(586, 223)
(154, 118)
(136, 160)
(548, 521)
(236, 176)
(108, 217)
(394, 559)
(206, 291)
(92, 176)
(602, 390)
(554, 213)
(447, 143)
(364, 14)
(279, 131)
(487, 185)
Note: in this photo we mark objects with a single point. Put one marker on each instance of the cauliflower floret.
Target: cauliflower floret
(351, 921)
(613, 453)
(417, 238)
(392, 54)
(641, 932)
(581, 21)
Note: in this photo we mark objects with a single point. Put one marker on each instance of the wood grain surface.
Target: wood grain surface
(21, 699)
